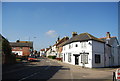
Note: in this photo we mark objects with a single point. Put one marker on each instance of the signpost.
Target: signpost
(118, 74)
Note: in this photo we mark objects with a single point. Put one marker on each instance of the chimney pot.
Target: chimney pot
(108, 35)
(74, 34)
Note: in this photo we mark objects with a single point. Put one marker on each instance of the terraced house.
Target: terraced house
(88, 51)
(22, 48)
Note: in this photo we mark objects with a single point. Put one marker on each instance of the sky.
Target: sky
(43, 22)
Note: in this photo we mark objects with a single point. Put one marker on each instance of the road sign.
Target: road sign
(118, 74)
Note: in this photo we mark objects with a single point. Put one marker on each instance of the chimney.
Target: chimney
(18, 41)
(74, 34)
(58, 38)
(108, 35)
(66, 38)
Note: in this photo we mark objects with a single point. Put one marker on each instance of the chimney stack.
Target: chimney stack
(108, 35)
(74, 34)
(66, 38)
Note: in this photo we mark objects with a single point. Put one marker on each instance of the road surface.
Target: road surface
(48, 70)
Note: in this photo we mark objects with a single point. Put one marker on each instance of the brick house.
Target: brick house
(22, 48)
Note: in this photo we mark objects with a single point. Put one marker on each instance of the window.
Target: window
(69, 57)
(97, 58)
(20, 48)
(83, 44)
(64, 48)
(64, 56)
(76, 45)
(14, 48)
(84, 58)
(69, 46)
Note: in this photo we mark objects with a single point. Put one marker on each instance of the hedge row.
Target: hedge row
(52, 57)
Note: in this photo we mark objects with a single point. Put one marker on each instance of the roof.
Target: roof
(60, 45)
(19, 44)
(61, 41)
(42, 50)
(110, 40)
(83, 37)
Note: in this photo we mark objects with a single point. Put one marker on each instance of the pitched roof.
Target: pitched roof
(61, 41)
(83, 37)
(18, 44)
(42, 50)
(110, 40)
(60, 45)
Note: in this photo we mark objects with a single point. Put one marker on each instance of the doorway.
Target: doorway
(76, 60)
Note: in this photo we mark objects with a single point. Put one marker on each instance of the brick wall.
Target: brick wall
(25, 50)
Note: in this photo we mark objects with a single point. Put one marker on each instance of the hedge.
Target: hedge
(52, 57)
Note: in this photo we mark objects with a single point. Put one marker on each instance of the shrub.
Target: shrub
(52, 57)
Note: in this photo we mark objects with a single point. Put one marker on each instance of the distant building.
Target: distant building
(42, 52)
(22, 48)
(59, 46)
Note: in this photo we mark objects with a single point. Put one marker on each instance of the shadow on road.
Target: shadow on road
(28, 72)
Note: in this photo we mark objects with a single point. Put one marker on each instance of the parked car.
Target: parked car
(32, 58)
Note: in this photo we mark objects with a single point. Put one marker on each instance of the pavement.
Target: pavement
(50, 69)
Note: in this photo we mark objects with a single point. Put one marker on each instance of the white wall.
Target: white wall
(19, 52)
(78, 50)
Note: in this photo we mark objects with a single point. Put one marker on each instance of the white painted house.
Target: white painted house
(87, 50)
(42, 52)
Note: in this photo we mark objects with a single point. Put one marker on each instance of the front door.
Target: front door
(76, 59)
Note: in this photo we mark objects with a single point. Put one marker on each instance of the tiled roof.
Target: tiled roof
(83, 37)
(18, 44)
(60, 45)
(61, 41)
(110, 40)
(42, 50)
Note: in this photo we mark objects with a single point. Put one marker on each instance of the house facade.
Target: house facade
(56, 49)
(112, 54)
(22, 48)
(42, 52)
(59, 47)
(88, 51)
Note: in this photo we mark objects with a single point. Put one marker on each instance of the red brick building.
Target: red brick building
(22, 48)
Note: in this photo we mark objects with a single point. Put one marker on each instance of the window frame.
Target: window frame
(97, 58)
(84, 58)
(69, 57)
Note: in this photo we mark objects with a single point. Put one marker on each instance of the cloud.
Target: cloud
(51, 33)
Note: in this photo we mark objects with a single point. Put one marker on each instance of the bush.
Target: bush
(52, 57)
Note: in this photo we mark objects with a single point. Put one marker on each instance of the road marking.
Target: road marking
(33, 74)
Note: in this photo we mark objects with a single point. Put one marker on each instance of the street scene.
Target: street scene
(57, 41)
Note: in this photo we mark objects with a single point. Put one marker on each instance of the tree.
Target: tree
(8, 57)
(6, 48)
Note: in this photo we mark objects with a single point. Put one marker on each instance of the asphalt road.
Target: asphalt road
(49, 70)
